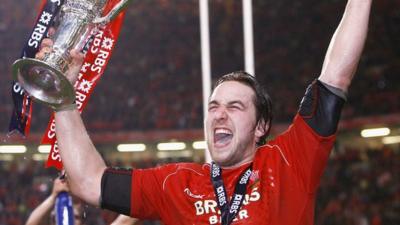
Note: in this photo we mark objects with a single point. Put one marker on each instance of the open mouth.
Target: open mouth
(222, 136)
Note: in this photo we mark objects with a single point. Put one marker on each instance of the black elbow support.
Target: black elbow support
(321, 107)
(116, 190)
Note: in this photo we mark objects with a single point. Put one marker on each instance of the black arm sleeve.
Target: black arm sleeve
(321, 107)
(116, 190)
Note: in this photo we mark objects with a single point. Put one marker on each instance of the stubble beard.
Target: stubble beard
(235, 156)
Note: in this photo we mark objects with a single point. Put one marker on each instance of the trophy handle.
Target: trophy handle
(112, 14)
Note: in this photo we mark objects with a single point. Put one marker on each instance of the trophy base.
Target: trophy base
(44, 83)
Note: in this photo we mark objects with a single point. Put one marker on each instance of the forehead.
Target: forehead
(232, 91)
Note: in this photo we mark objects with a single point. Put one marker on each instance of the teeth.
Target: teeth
(222, 136)
(222, 131)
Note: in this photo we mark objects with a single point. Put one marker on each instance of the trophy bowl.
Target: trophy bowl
(43, 82)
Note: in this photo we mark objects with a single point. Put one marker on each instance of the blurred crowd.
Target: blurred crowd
(360, 187)
(153, 80)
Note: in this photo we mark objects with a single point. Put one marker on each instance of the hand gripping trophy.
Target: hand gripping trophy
(44, 79)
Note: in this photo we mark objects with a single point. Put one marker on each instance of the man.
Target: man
(46, 208)
(274, 183)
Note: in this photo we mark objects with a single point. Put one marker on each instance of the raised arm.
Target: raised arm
(81, 160)
(83, 164)
(346, 45)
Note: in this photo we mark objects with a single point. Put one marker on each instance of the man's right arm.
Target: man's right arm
(83, 164)
(81, 160)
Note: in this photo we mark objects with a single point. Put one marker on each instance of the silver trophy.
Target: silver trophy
(44, 79)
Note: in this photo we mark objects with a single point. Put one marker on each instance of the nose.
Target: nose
(220, 114)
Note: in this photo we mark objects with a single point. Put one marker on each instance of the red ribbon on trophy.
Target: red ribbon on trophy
(96, 59)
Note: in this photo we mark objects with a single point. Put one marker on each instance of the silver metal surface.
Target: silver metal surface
(44, 80)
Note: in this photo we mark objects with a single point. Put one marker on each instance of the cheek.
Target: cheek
(245, 126)
(207, 127)
(206, 122)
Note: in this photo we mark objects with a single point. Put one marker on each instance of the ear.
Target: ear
(261, 129)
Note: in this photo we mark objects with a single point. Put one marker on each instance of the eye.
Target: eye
(212, 107)
(235, 107)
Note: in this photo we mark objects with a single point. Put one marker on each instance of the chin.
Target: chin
(224, 162)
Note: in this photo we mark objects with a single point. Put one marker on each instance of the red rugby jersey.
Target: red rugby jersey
(281, 190)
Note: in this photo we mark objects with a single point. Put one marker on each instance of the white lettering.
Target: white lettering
(199, 208)
(99, 61)
(45, 18)
(55, 154)
(221, 195)
(103, 54)
(255, 195)
(80, 97)
(213, 219)
(56, 1)
(37, 35)
(96, 42)
(33, 43)
(79, 105)
(210, 206)
(246, 176)
(235, 203)
(99, 34)
(85, 66)
(52, 132)
(243, 214)
(215, 172)
(95, 68)
(94, 49)
(18, 89)
(188, 192)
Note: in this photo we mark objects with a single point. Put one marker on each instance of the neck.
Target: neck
(239, 164)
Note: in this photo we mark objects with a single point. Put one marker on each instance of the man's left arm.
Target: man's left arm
(310, 144)
(346, 45)
(324, 99)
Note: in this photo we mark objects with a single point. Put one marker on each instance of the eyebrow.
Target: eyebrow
(215, 102)
(237, 102)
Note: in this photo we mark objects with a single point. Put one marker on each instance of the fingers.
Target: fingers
(75, 66)
(59, 185)
(51, 32)
(47, 42)
(64, 187)
(40, 55)
(45, 48)
(77, 57)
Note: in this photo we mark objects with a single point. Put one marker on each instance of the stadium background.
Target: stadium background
(151, 93)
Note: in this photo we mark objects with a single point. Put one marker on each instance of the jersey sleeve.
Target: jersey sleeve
(305, 152)
(321, 107)
(307, 143)
(147, 194)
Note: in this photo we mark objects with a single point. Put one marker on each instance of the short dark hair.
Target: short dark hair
(261, 99)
